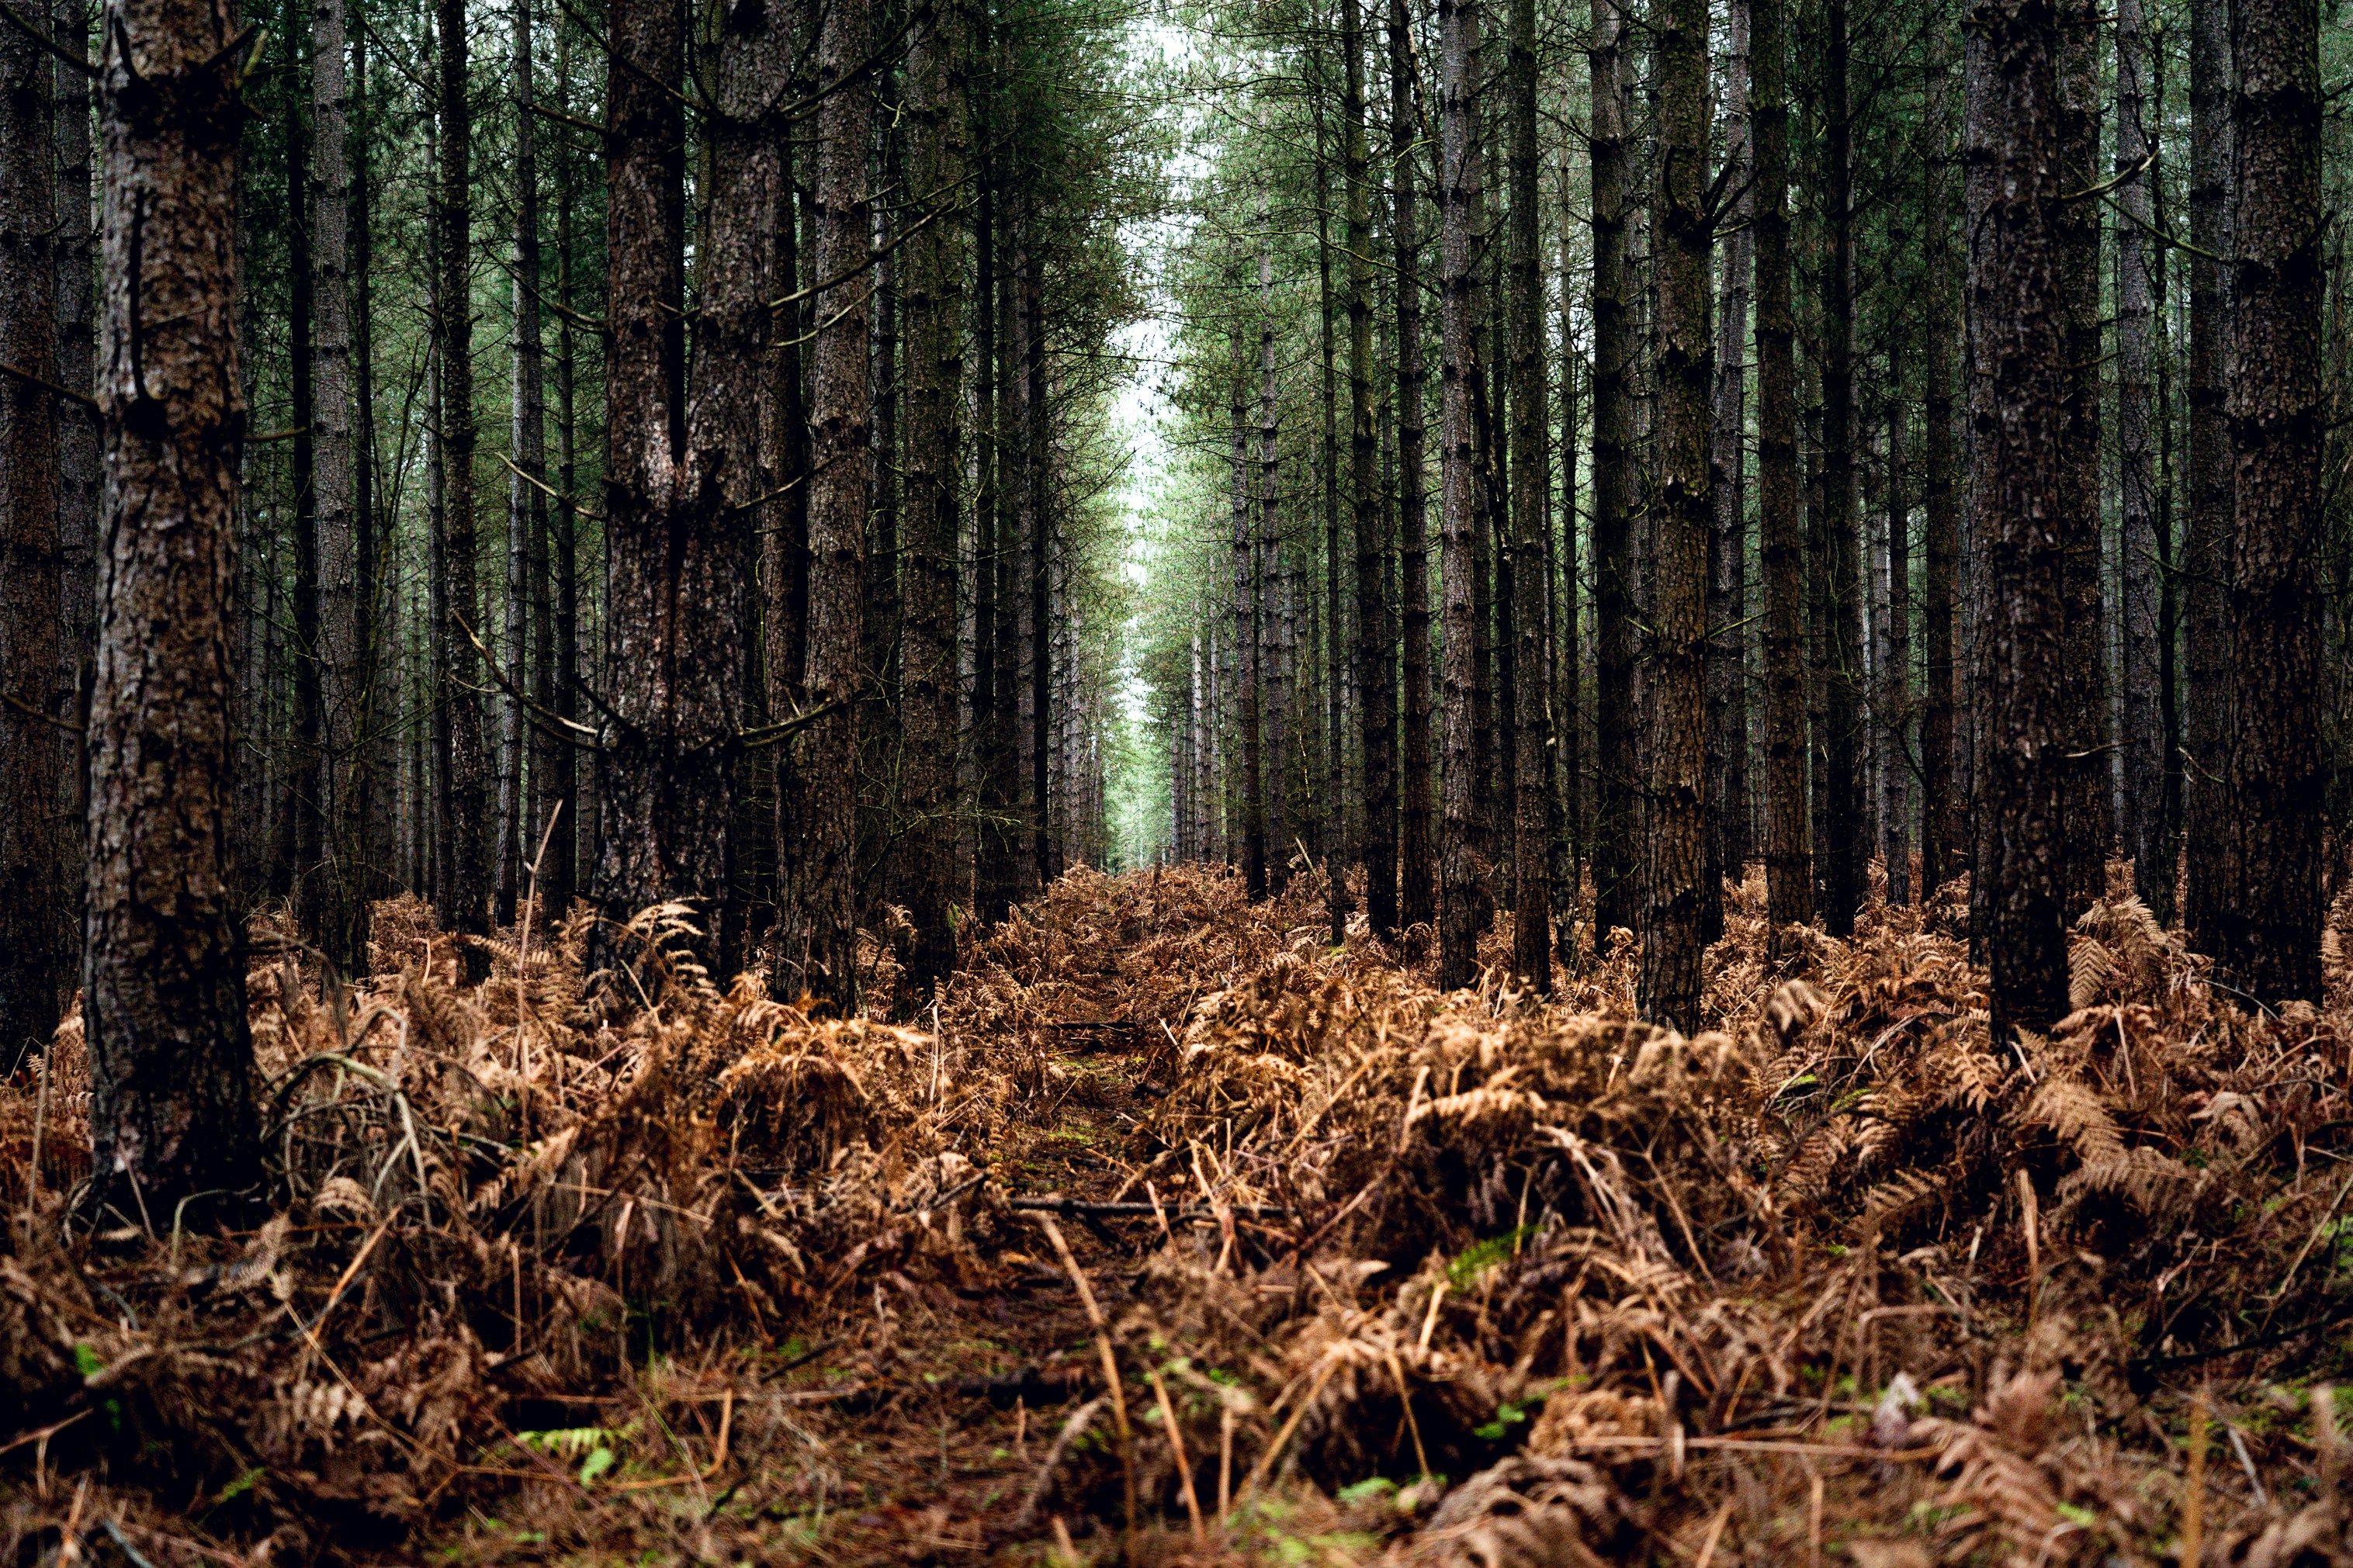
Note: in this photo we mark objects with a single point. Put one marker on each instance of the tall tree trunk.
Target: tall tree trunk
(2090, 828)
(1789, 858)
(879, 807)
(1276, 677)
(934, 306)
(1531, 523)
(2207, 552)
(2268, 935)
(558, 766)
(1615, 876)
(34, 952)
(1461, 872)
(1727, 571)
(171, 1065)
(2017, 391)
(819, 934)
(1569, 690)
(1942, 830)
(1417, 859)
(1038, 535)
(344, 880)
(303, 822)
(465, 843)
(1685, 517)
(1246, 640)
(1375, 671)
(78, 456)
(2143, 727)
(530, 619)
(1334, 825)
(1844, 840)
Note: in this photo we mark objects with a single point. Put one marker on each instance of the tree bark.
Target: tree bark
(2144, 835)
(1461, 872)
(345, 883)
(2018, 390)
(78, 454)
(1844, 840)
(1727, 574)
(1531, 521)
(1942, 828)
(34, 952)
(1615, 876)
(464, 840)
(1246, 639)
(1374, 672)
(1417, 859)
(526, 484)
(815, 783)
(934, 304)
(170, 1065)
(1789, 858)
(2268, 934)
(2206, 556)
(1685, 518)
(2090, 827)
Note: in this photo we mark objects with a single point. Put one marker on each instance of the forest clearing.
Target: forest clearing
(1186, 1238)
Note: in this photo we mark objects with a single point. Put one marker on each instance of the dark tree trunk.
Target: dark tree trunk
(171, 1065)
(2207, 552)
(1334, 825)
(1728, 570)
(1375, 671)
(464, 839)
(558, 767)
(2268, 933)
(78, 456)
(1685, 517)
(35, 950)
(1942, 829)
(1246, 640)
(1417, 859)
(2090, 826)
(1845, 841)
(933, 299)
(1038, 536)
(1789, 858)
(345, 881)
(526, 498)
(1273, 641)
(1461, 871)
(1568, 690)
(816, 852)
(1531, 523)
(303, 823)
(1615, 876)
(2018, 390)
(2145, 836)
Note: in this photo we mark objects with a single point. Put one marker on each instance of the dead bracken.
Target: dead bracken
(1175, 1233)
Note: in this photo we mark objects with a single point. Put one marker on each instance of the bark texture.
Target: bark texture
(34, 950)
(2018, 390)
(934, 301)
(170, 1065)
(1461, 870)
(816, 785)
(1685, 517)
(1788, 859)
(2269, 936)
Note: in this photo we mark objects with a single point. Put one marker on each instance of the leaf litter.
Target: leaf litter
(1174, 1234)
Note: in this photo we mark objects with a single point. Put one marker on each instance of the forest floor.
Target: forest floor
(1175, 1235)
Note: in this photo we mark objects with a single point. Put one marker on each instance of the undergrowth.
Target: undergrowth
(1172, 1230)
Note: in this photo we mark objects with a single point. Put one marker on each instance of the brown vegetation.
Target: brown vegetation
(570, 1269)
